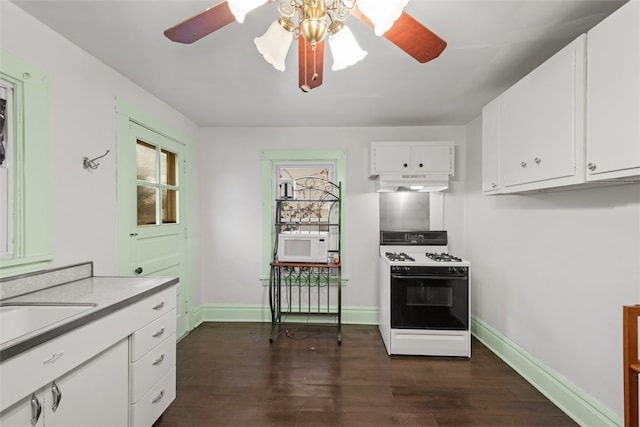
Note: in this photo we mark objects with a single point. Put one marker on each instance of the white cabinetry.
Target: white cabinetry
(118, 370)
(613, 95)
(435, 158)
(541, 124)
(86, 368)
(491, 174)
(153, 357)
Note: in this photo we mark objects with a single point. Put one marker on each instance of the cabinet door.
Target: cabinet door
(432, 159)
(390, 158)
(22, 412)
(613, 95)
(94, 394)
(491, 181)
(541, 122)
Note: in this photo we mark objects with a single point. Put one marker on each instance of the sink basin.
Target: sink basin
(18, 319)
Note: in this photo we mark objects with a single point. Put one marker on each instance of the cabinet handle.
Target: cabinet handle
(53, 358)
(421, 165)
(36, 409)
(138, 270)
(523, 164)
(158, 397)
(591, 166)
(538, 160)
(159, 333)
(57, 396)
(158, 360)
(405, 165)
(158, 306)
(494, 185)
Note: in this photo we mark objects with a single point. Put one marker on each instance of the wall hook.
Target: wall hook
(91, 163)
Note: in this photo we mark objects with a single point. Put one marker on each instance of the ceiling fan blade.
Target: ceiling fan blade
(310, 64)
(202, 24)
(410, 36)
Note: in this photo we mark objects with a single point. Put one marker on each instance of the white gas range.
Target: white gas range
(424, 295)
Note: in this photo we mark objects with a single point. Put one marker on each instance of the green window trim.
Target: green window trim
(271, 157)
(30, 192)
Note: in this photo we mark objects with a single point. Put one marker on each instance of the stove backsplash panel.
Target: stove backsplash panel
(405, 210)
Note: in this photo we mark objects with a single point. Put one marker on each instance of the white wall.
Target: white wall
(82, 93)
(551, 271)
(228, 161)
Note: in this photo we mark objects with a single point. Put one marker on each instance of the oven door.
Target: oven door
(430, 301)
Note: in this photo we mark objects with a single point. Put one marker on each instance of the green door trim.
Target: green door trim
(126, 114)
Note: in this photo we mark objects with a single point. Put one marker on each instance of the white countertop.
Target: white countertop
(108, 294)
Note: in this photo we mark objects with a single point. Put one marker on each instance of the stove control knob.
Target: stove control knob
(406, 268)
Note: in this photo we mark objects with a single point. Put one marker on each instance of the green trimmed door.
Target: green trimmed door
(152, 208)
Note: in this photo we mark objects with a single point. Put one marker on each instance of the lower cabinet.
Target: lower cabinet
(93, 394)
(116, 371)
(152, 361)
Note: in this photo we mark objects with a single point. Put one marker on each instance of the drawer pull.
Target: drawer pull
(158, 360)
(158, 397)
(53, 358)
(158, 306)
(159, 333)
(36, 409)
(57, 396)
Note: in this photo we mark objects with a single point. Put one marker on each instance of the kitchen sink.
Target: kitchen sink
(18, 319)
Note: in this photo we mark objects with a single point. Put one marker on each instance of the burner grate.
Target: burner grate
(442, 257)
(394, 256)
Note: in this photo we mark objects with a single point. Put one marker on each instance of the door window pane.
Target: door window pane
(146, 162)
(146, 205)
(168, 168)
(169, 206)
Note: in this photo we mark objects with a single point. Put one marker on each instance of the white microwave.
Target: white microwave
(303, 247)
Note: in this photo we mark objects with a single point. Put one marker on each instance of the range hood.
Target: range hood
(387, 183)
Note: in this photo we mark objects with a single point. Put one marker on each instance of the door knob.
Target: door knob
(138, 270)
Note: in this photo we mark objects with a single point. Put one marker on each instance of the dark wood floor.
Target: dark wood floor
(230, 375)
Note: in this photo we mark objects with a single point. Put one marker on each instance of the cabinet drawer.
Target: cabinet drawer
(23, 374)
(154, 306)
(150, 368)
(153, 334)
(147, 410)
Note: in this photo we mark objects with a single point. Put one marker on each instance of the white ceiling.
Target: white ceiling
(221, 80)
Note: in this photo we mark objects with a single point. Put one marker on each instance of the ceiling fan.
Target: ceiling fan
(317, 21)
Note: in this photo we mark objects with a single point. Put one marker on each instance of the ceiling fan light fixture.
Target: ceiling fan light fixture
(274, 44)
(240, 8)
(345, 49)
(382, 13)
(313, 21)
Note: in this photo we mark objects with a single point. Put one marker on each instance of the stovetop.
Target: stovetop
(422, 258)
(417, 248)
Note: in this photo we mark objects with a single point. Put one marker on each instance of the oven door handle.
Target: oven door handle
(425, 277)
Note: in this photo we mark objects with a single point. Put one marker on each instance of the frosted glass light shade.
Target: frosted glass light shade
(345, 49)
(382, 13)
(274, 45)
(240, 8)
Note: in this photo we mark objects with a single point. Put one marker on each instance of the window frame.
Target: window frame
(271, 158)
(30, 167)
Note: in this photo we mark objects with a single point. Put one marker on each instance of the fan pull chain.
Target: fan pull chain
(315, 67)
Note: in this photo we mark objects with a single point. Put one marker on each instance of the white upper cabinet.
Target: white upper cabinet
(412, 157)
(613, 95)
(541, 124)
(491, 175)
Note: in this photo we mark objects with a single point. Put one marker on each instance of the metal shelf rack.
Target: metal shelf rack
(300, 291)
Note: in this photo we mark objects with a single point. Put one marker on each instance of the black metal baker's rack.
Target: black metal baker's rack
(300, 291)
